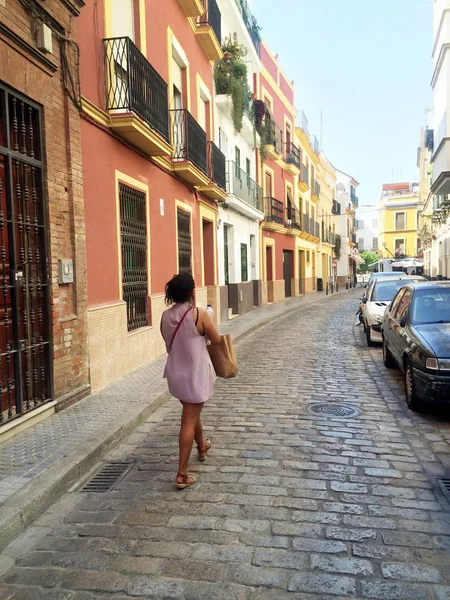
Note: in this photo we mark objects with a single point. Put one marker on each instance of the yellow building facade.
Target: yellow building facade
(399, 235)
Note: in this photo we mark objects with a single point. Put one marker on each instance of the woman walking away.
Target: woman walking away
(189, 371)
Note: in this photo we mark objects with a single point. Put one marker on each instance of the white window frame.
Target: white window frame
(404, 244)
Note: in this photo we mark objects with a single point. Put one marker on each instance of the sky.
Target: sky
(366, 66)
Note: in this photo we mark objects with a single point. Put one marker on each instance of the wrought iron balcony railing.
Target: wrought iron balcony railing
(212, 17)
(274, 210)
(250, 23)
(241, 185)
(304, 174)
(327, 236)
(217, 165)
(274, 135)
(304, 123)
(293, 218)
(315, 144)
(336, 209)
(189, 139)
(316, 188)
(316, 229)
(306, 223)
(132, 84)
(292, 154)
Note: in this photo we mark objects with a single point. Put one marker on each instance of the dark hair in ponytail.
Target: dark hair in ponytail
(180, 288)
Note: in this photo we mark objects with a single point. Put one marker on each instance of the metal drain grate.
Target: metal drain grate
(444, 484)
(107, 477)
(326, 409)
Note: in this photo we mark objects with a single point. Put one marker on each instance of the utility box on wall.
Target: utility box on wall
(65, 270)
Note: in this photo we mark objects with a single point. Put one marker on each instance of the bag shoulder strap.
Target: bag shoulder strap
(178, 327)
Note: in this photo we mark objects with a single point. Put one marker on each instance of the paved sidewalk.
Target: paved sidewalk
(41, 463)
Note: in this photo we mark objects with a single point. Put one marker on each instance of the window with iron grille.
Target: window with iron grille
(184, 241)
(133, 232)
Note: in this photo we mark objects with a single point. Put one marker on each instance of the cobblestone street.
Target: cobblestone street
(288, 505)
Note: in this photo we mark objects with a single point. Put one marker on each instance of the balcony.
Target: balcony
(209, 30)
(192, 8)
(316, 232)
(291, 159)
(138, 96)
(310, 226)
(293, 218)
(305, 223)
(250, 24)
(315, 144)
(190, 155)
(315, 193)
(336, 209)
(327, 236)
(216, 189)
(303, 183)
(273, 211)
(274, 146)
(353, 197)
(242, 187)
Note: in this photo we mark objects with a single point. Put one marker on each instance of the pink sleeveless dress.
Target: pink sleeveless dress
(189, 371)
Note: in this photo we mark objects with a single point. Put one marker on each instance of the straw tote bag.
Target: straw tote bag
(223, 357)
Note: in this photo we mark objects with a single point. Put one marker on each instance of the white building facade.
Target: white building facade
(367, 229)
(346, 227)
(239, 216)
(437, 256)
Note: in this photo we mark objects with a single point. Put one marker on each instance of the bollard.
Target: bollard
(337, 287)
(326, 289)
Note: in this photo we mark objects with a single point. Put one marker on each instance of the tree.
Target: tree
(369, 259)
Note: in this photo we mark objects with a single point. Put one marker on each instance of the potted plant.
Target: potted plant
(230, 78)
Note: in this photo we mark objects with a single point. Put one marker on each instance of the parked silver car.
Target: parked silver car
(379, 296)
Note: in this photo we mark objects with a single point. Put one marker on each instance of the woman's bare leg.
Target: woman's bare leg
(189, 419)
(199, 433)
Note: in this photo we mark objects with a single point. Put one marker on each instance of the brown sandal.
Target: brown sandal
(185, 483)
(203, 455)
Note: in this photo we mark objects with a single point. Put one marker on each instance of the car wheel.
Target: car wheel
(369, 341)
(388, 359)
(412, 400)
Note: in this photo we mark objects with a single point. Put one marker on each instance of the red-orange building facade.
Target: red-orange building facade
(279, 176)
(152, 175)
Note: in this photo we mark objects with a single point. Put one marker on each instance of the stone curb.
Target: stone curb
(27, 504)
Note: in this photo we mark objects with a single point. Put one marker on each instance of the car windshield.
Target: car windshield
(385, 291)
(431, 306)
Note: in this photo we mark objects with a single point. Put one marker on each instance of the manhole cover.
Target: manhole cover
(444, 484)
(107, 477)
(326, 409)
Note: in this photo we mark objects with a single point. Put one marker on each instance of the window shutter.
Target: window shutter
(122, 18)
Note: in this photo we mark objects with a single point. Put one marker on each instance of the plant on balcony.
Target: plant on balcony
(337, 247)
(230, 78)
(263, 125)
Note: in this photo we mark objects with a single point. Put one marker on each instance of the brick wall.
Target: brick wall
(38, 77)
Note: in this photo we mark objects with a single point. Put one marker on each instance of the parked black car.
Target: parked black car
(416, 337)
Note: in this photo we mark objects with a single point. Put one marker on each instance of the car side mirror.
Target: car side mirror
(404, 321)
(364, 300)
(366, 285)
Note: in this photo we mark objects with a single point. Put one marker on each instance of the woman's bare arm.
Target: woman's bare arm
(209, 329)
